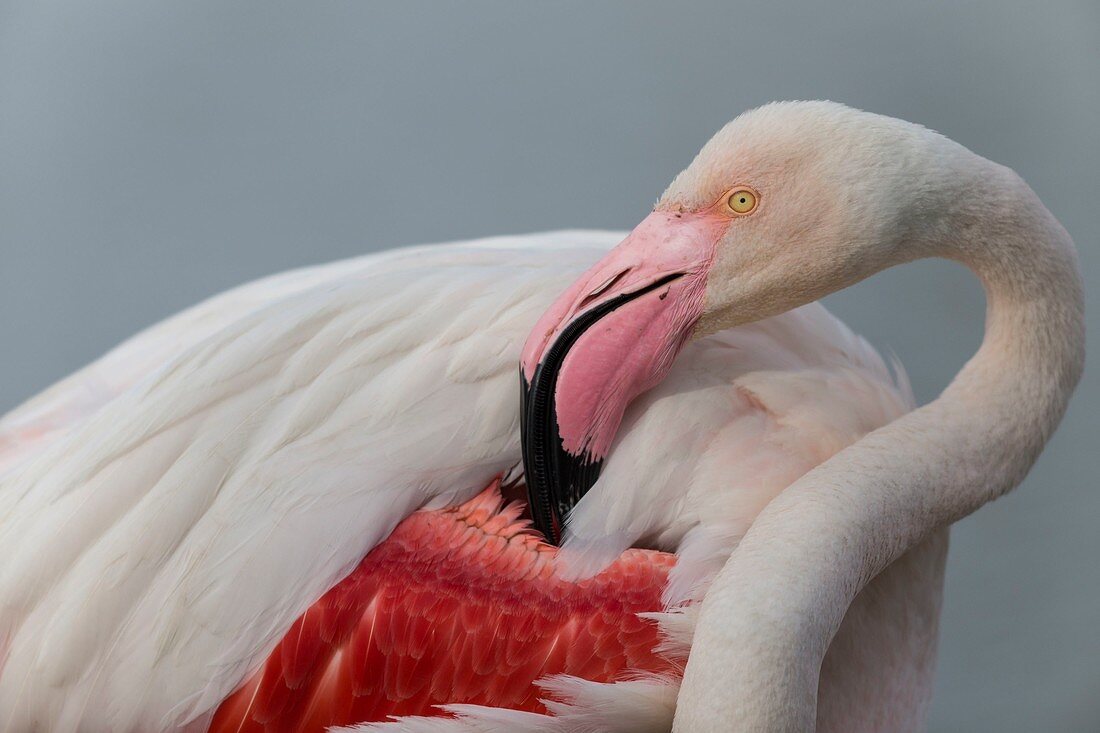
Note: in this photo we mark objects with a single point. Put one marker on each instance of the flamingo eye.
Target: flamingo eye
(742, 201)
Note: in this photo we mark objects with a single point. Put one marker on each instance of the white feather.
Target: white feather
(643, 705)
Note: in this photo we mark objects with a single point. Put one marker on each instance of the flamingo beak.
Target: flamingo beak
(611, 336)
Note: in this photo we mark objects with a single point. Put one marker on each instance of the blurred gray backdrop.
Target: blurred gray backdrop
(153, 153)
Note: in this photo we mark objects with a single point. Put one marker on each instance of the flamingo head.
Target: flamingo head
(785, 204)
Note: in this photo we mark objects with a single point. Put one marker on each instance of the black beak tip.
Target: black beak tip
(556, 479)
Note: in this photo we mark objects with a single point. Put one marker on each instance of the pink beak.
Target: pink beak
(611, 336)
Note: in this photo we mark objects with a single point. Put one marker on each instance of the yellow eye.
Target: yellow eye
(741, 201)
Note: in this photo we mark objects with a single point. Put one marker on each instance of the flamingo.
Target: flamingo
(265, 512)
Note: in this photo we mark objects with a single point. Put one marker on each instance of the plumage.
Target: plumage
(212, 507)
(258, 446)
(462, 605)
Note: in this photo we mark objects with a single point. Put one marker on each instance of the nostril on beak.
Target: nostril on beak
(603, 288)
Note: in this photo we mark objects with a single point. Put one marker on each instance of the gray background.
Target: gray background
(152, 153)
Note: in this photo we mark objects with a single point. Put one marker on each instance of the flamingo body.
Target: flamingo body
(462, 605)
(169, 512)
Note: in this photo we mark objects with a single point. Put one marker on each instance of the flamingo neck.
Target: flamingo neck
(776, 606)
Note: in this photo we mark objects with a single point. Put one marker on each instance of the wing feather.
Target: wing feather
(194, 514)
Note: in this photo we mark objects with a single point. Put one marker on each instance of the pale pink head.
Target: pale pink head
(783, 205)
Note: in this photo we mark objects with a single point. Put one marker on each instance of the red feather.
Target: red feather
(458, 605)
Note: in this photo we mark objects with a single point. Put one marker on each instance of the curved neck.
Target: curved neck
(981, 436)
(994, 418)
(773, 610)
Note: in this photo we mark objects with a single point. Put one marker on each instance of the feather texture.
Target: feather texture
(457, 606)
(178, 504)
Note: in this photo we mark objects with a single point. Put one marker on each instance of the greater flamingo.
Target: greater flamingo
(185, 521)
